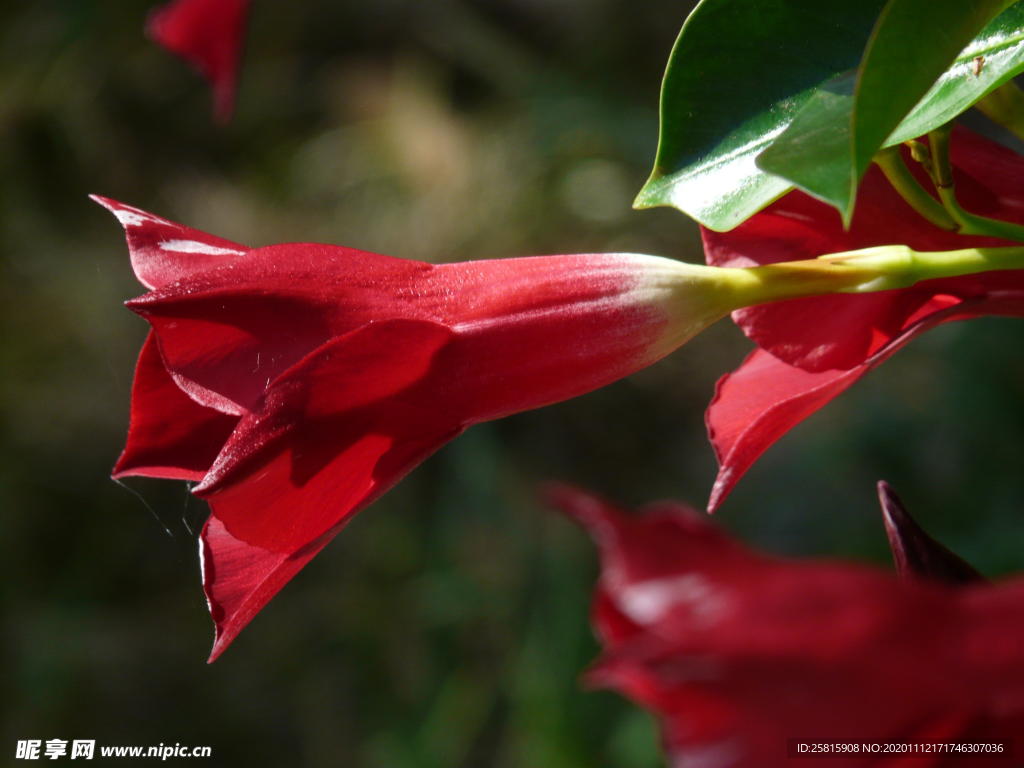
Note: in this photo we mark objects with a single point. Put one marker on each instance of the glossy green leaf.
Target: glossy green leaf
(739, 73)
(992, 58)
(915, 43)
(706, 167)
(814, 150)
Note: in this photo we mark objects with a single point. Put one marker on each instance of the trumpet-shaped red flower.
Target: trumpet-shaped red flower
(737, 651)
(298, 383)
(209, 35)
(812, 349)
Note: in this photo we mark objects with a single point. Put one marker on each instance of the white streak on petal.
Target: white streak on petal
(207, 397)
(202, 570)
(649, 601)
(133, 217)
(193, 246)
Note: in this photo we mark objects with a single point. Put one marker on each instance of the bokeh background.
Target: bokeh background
(447, 626)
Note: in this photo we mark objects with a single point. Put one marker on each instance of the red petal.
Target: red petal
(227, 333)
(332, 435)
(239, 579)
(736, 651)
(311, 455)
(633, 555)
(163, 252)
(209, 35)
(842, 331)
(764, 398)
(757, 404)
(170, 435)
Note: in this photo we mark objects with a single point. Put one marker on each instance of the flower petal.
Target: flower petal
(757, 404)
(635, 558)
(331, 436)
(228, 332)
(240, 577)
(764, 398)
(163, 252)
(170, 436)
(209, 35)
(351, 374)
(842, 331)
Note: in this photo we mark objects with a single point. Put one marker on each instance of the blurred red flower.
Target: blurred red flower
(209, 35)
(813, 349)
(736, 651)
(298, 383)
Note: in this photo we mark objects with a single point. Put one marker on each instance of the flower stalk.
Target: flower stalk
(883, 268)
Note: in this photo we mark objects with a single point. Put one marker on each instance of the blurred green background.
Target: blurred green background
(447, 625)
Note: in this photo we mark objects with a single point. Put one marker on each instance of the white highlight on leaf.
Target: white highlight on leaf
(994, 43)
(194, 246)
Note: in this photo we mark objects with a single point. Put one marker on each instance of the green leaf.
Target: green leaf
(739, 73)
(914, 44)
(814, 151)
(1000, 47)
(717, 117)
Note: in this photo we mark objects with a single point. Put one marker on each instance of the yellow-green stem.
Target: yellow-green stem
(872, 269)
(891, 162)
(942, 175)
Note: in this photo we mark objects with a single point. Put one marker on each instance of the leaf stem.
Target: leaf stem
(895, 169)
(942, 176)
(1005, 106)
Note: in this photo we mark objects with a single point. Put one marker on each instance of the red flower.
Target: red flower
(736, 651)
(298, 383)
(209, 35)
(813, 349)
